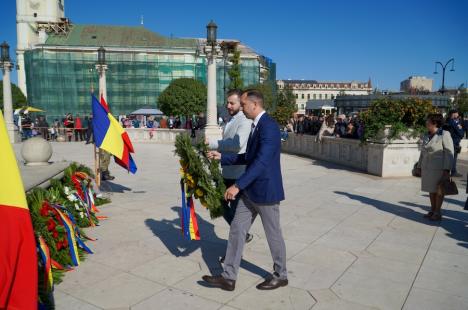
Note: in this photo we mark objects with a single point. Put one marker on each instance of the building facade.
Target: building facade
(58, 60)
(416, 83)
(307, 90)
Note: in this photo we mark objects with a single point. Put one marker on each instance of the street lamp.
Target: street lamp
(5, 52)
(101, 68)
(211, 30)
(451, 60)
(212, 130)
(6, 65)
(102, 56)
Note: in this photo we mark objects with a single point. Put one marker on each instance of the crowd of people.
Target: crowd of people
(78, 129)
(341, 126)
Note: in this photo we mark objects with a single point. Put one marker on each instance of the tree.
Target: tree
(285, 106)
(235, 71)
(268, 96)
(461, 102)
(183, 97)
(19, 100)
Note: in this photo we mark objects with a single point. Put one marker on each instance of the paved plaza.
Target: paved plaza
(353, 241)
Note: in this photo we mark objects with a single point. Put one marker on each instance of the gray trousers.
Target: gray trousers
(246, 212)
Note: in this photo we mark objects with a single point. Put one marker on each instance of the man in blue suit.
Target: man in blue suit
(261, 189)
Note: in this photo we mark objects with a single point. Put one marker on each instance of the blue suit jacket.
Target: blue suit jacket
(262, 180)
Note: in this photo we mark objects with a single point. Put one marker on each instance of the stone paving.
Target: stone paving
(353, 242)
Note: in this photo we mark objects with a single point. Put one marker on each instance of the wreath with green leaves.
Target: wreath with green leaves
(202, 176)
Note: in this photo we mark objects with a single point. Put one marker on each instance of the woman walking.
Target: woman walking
(435, 163)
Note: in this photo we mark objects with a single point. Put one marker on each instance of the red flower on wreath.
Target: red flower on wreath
(45, 209)
(55, 234)
(51, 225)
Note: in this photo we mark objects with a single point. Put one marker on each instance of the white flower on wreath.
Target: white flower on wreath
(81, 214)
(66, 190)
(77, 207)
(71, 197)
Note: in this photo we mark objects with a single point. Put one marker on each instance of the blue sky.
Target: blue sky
(323, 40)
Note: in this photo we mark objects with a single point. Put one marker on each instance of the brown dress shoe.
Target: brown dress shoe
(272, 284)
(219, 281)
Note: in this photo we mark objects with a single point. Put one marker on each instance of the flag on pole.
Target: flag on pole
(110, 136)
(18, 260)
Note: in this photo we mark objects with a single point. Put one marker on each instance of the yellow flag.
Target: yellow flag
(11, 185)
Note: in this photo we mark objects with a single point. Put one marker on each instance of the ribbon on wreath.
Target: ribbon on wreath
(71, 236)
(188, 215)
(47, 261)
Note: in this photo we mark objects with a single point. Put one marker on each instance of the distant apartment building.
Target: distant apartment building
(308, 90)
(416, 83)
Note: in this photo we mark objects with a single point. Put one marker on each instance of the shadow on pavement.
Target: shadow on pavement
(454, 222)
(211, 246)
(111, 187)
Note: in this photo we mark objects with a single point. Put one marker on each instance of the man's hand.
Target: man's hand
(231, 193)
(214, 155)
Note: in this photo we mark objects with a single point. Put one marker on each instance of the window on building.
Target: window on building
(326, 96)
(320, 96)
(302, 96)
(302, 106)
(333, 96)
(297, 96)
(308, 96)
(315, 96)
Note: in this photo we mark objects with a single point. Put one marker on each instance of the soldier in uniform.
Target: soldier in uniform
(104, 161)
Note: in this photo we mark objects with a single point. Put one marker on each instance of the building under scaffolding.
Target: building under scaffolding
(58, 58)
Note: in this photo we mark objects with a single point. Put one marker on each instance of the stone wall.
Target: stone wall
(166, 136)
(382, 159)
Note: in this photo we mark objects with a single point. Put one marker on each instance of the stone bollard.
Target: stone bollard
(36, 152)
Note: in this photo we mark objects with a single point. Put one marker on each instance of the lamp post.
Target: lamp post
(451, 60)
(212, 130)
(7, 65)
(101, 68)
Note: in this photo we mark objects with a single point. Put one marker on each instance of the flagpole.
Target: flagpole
(97, 173)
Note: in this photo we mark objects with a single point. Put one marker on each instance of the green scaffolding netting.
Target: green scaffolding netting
(60, 81)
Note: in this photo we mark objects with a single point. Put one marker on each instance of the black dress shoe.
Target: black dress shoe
(219, 281)
(272, 284)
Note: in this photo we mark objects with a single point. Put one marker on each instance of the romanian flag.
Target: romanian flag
(110, 136)
(18, 260)
(188, 216)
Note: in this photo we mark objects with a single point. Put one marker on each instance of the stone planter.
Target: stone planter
(383, 137)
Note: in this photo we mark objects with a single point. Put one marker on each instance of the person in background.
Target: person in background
(27, 126)
(89, 129)
(136, 123)
(43, 127)
(454, 127)
(163, 122)
(171, 122)
(177, 122)
(78, 128)
(300, 126)
(327, 129)
(69, 124)
(435, 162)
(340, 127)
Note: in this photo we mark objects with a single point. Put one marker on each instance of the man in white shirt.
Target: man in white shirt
(235, 136)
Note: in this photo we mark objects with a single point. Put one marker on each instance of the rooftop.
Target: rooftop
(122, 36)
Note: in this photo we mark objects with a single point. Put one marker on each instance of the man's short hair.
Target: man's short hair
(233, 92)
(436, 119)
(254, 94)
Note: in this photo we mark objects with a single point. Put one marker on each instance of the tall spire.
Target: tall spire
(369, 83)
(142, 20)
